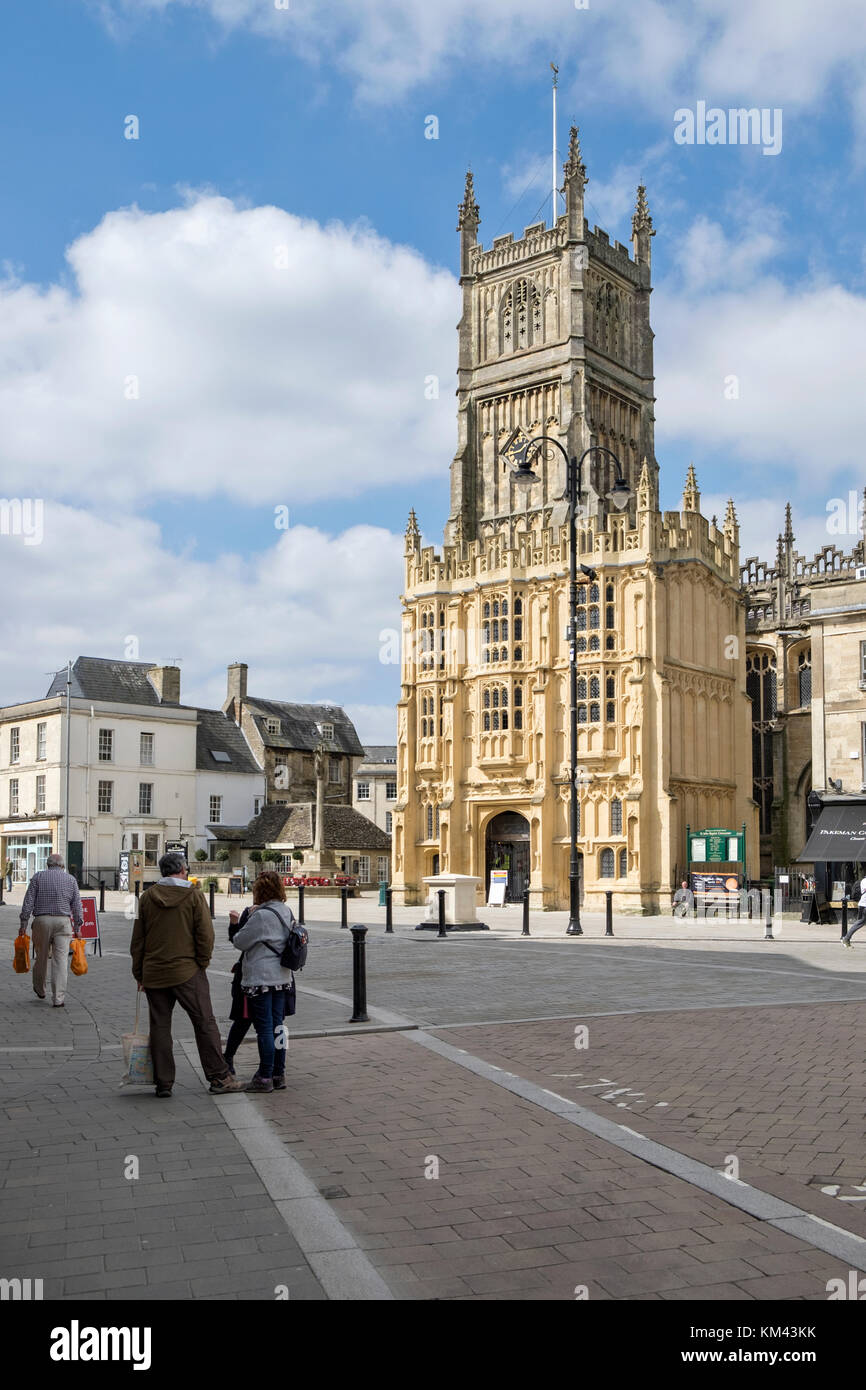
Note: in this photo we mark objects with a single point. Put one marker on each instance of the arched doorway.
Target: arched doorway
(507, 847)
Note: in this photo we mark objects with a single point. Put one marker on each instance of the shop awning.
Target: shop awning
(839, 835)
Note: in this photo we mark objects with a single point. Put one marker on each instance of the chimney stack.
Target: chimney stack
(166, 681)
(237, 683)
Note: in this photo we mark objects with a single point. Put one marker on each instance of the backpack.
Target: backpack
(294, 953)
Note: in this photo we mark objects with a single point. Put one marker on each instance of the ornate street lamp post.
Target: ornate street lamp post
(619, 495)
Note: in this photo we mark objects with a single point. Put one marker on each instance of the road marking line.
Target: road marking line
(309, 1218)
(833, 1240)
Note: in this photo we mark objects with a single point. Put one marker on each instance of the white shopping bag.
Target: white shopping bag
(136, 1054)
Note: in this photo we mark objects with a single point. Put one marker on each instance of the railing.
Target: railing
(789, 885)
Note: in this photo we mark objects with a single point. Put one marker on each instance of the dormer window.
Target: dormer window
(272, 726)
(328, 733)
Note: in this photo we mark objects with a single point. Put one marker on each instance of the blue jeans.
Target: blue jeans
(267, 1012)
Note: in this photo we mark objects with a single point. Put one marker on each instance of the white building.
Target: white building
(144, 770)
(230, 785)
(374, 784)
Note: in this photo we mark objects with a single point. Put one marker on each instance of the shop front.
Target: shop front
(27, 847)
(837, 848)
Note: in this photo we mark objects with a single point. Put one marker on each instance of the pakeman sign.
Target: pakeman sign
(77, 1343)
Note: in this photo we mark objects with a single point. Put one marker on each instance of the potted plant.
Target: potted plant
(256, 858)
(223, 856)
(201, 855)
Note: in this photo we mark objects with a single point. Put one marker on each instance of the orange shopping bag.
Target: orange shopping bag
(21, 959)
(78, 964)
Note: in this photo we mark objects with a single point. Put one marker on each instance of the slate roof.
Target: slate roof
(264, 829)
(236, 834)
(345, 828)
(379, 753)
(216, 733)
(98, 678)
(299, 726)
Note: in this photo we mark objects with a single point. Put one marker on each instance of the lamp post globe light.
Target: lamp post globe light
(619, 497)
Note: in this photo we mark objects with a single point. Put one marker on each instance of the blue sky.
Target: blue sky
(262, 128)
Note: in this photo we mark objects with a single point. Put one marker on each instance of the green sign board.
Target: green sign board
(717, 846)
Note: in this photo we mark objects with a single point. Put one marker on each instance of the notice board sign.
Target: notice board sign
(90, 928)
(498, 885)
(715, 883)
(123, 872)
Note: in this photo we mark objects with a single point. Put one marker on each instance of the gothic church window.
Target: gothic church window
(520, 316)
(804, 676)
(616, 816)
(606, 867)
(761, 688)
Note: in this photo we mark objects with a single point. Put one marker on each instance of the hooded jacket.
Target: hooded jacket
(173, 935)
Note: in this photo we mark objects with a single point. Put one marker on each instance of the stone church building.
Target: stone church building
(555, 339)
(806, 678)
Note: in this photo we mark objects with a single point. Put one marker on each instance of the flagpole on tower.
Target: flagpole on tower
(555, 75)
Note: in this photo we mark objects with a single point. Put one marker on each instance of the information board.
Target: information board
(715, 883)
(498, 885)
(90, 928)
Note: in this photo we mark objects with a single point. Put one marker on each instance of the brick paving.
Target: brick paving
(524, 1206)
(782, 1089)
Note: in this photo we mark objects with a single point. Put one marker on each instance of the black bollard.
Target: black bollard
(608, 912)
(440, 893)
(2, 904)
(137, 889)
(102, 895)
(210, 897)
(359, 977)
(344, 907)
(768, 916)
(525, 931)
(844, 915)
(389, 913)
(301, 905)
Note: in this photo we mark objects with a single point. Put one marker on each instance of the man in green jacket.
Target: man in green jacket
(172, 943)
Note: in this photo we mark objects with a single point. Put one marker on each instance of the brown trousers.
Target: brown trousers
(194, 997)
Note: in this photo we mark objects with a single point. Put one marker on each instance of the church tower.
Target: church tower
(555, 339)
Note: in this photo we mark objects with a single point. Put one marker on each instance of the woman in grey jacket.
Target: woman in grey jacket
(264, 981)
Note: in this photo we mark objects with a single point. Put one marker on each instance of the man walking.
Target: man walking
(172, 943)
(54, 900)
(861, 915)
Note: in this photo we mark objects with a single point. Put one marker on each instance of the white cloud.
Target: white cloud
(268, 352)
(305, 614)
(769, 372)
(761, 520)
(766, 53)
(707, 258)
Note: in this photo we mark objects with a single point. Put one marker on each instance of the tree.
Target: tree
(223, 856)
(201, 855)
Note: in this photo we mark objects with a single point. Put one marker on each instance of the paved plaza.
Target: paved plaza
(673, 1113)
